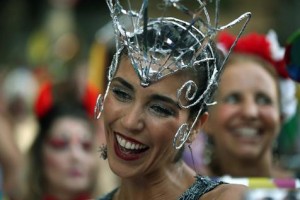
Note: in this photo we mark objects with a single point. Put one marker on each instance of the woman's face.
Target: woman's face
(246, 119)
(141, 122)
(68, 155)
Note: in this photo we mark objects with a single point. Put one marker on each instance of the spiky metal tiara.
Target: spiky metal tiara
(168, 55)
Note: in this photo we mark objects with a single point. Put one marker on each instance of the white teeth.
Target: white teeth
(128, 144)
(247, 132)
(121, 142)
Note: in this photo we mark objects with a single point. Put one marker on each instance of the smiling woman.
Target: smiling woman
(153, 111)
(245, 123)
(160, 82)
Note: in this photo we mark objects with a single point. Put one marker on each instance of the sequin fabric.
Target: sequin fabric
(201, 186)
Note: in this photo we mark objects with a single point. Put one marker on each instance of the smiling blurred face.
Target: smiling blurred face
(68, 155)
(141, 122)
(246, 119)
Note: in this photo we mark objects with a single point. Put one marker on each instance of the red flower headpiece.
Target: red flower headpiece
(263, 46)
(45, 99)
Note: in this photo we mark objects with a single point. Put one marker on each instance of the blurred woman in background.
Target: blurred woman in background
(62, 164)
(243, 126)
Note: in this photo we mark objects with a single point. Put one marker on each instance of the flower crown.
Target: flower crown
(168, 54)
(266, 47)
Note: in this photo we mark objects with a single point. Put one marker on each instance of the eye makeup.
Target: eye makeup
(57, 143)
(65, 143)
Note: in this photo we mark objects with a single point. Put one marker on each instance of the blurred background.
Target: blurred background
(33, 29)
(59, 34)
(44, 40)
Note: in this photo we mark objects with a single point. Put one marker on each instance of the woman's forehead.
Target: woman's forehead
(247, 75)
(69, 126)
(126, 69)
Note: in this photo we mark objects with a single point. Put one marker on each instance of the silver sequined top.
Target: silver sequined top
(201, 186)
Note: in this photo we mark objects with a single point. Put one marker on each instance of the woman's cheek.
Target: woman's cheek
(53, 162)
(110, 109)
(272, 118)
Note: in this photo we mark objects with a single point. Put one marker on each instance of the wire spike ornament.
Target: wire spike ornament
(158, 47)
(98, 107)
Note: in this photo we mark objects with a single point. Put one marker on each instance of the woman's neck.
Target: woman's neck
(230, 165)
(168, 183)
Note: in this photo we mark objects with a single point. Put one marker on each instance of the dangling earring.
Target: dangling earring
(192, 136)
(98, 107)
(103, 151)
(181, 136)
(192, 157)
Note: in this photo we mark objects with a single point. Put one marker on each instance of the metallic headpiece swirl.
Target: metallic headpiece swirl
(161, 46)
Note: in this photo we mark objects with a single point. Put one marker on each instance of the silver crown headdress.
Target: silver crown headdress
(158, 47)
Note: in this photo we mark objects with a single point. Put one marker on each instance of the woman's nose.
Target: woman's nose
(132, 118)
(250, 109)
(76, 151)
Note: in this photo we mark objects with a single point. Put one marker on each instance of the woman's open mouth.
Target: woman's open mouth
(129, 149)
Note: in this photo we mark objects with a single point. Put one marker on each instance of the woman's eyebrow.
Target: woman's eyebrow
(165, 99)
(154, 97)
(123, 82)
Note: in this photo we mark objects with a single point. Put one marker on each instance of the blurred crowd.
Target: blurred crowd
(60, 69)
(53, 155)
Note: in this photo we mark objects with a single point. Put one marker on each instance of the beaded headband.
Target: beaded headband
(170, 51)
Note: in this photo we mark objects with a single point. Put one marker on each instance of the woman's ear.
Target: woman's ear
(207, 127)
(201, 121)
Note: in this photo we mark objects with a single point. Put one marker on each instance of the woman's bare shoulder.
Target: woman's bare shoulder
(227, 191)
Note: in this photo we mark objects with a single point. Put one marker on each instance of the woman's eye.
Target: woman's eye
(232, 99)
(263, 100)
(121, 95)
(162, 111)
(57, 144)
